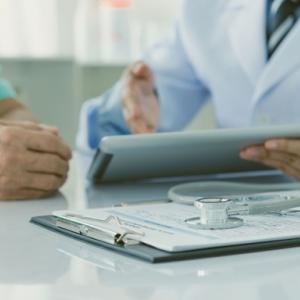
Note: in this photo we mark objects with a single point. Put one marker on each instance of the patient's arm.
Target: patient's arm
(13, 110)
(34, 160)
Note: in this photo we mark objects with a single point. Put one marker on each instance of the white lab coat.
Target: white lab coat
(218, 51)
(226, 45)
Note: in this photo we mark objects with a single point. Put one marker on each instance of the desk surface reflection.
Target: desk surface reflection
(40, 264)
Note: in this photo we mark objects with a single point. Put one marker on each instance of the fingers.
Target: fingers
(45, 163)
(283, 166)
(24, 194)
(284, 145)
(133, 115)
(281, 159)
(21, 124)
(48, 143)
(33, 161)
(131, 106)
(134, 89)
(141, 70)
(137, 125)
(260, 154)
(30, 125)
(285, 151)
(140, 104)
(30, 175)
(43, 182)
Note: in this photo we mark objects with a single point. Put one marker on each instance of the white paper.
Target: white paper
(164, 227)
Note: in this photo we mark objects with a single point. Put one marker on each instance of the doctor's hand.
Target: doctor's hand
(34, 160)
(140, 102)
(282, 154)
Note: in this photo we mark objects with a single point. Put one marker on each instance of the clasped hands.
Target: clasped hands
(34, 160)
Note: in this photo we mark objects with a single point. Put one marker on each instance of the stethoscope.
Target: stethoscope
(221, 212)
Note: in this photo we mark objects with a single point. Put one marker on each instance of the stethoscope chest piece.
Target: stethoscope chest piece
(214, 214)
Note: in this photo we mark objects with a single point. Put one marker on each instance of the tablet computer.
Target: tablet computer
(134, 157)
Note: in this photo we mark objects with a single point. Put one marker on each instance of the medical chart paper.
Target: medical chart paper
(164, 227)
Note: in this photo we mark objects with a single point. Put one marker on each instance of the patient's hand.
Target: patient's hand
(140, 103)
(34, 160)
(283, 154)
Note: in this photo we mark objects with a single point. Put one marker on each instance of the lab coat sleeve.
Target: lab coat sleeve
(180, 93)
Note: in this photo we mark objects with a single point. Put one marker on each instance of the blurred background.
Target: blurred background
(58, 53)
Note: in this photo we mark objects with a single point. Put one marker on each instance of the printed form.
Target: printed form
(163, 226)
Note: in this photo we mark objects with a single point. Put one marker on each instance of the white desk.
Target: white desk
(37, 264)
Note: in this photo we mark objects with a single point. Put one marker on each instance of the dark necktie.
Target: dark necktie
(282, 16)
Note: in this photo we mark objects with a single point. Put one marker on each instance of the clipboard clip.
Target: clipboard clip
(109, 230)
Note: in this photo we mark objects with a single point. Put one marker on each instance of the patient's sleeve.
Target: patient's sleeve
(6, 90)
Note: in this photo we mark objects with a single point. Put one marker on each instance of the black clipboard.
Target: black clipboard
(153, 255)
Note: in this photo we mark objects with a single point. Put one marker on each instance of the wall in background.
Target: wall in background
(54, 90)
(48, 88)
(45, 29)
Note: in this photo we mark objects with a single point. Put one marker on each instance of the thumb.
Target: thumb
(142, 70)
